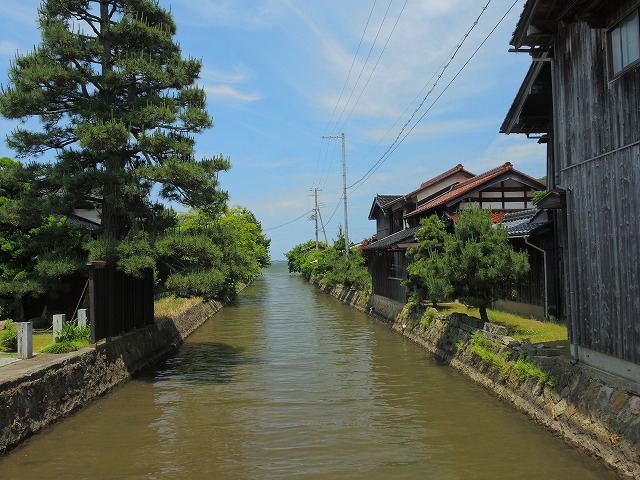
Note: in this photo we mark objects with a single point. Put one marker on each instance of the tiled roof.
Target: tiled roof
(525, 222)
(387, 199)
(381, 201)
(443, 176)
(459, 191)
(80, 223)
(398, 237)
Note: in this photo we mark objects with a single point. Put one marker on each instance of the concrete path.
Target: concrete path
(6, 361)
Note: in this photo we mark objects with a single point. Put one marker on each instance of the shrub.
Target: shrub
(428, 316)
(73, 333)
(9, 337)
(522, 368)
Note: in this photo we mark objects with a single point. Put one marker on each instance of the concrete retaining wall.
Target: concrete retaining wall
(37, 392)
(591, 410)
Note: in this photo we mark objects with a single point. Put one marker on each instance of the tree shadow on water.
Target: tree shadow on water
(199, 363)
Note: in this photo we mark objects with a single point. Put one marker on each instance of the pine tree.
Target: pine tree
(118, 107)
(475, 263)
(479, 262)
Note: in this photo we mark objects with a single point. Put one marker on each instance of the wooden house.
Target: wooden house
(503, 189)
(581, 98)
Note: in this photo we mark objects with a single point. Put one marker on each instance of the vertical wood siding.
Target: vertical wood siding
(598, 120)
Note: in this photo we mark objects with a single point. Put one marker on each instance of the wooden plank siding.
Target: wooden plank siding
(379, 264)
(598, 161)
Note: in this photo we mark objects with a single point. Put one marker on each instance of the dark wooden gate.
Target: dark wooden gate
(118, 302)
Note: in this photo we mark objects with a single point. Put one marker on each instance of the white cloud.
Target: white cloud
(422, 42)
(229, 92)
(221, 84)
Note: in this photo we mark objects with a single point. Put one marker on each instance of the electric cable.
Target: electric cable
(374, 67)
(366, 60)
(289, 222)
(397, 141)
(344, 86)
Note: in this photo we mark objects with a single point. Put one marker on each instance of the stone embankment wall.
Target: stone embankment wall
(37, 392)
(591, 410)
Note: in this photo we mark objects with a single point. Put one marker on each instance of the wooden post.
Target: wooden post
(25, 340)
(82, 317)
(58, 323)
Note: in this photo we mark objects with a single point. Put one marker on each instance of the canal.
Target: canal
(290, 383)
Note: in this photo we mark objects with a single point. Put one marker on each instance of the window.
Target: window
(624, 39)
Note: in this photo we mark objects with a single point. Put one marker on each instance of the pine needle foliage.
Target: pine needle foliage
(118, 107)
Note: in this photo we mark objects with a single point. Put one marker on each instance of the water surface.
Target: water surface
(290, 383)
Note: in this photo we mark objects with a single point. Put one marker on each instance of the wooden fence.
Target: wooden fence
(118, 302)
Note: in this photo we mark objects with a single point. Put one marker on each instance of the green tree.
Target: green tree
(479, 263)
(118, 106)
(426, 280)
(297, 256)
(330, 265)
(210, 256)
(37, 250)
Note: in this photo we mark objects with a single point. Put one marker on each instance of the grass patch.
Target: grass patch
(502, 360)
(43, 343)
(520, 328)
(65, 347)
(41, 340)
(170, 306)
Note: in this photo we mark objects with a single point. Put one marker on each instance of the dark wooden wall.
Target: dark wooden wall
(118, 302)
(597, 158)
(379, 264)
(532, 289)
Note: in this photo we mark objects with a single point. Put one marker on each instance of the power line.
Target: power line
(375, 66)
(365, 61)
(343, 88)
(289, 222)
(454, 77)
(351, 67)
(397, 140)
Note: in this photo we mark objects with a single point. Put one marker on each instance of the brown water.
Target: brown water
(289, 383)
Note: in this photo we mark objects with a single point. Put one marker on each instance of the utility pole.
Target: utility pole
(324, 232)
(315, 213)
(344, 194)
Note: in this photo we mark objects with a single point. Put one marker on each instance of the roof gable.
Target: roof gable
(462, 190)
(439, 182)
(380, 202)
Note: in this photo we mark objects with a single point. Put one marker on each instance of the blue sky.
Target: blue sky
(281, 74)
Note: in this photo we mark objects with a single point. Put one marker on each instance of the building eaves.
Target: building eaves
(80, 223)
(525, 222)
(403, 236)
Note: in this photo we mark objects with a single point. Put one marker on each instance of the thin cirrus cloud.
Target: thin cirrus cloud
(230, 92)
(242, 14)
(224, 85)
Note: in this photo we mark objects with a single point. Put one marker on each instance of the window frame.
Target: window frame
(613, 53)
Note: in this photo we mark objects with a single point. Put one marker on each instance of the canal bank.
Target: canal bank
(589, 409)
(39, 391)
